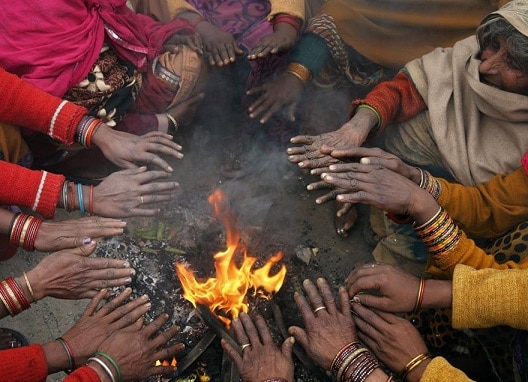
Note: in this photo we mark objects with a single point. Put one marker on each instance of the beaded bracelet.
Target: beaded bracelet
(299, 71)
(419, 296)
(111, 360)
(13, 297)
(412, 364)
(68, 350)
(103, 365)
(342, 354)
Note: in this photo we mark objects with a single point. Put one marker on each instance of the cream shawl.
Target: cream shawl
(479, 130)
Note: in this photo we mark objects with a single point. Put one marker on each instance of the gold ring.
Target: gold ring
(320, 308)
(243, 346)
(142, 200)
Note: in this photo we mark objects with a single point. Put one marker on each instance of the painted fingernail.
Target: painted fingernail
(356, 299)
(128, 280)
(88, 240)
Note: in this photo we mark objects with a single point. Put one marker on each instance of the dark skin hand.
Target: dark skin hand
(262, 359)
(327, 330)
(394, 340)
(137, 347)
(94, 327)
(124, 193)
(280, 94)
(128, 150)
(283, 38)
(57, 235)
(71, 274)
(173, 44)
(219, 47)
(396, 289)
(309, 154)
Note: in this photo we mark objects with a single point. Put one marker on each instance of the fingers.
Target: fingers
(85, 250)
(165, 353)
(94, 303)
(232, 353)
(287, 347)
(110, 306)
(263, 330)
(301, 139)
(328, 296)
(327, 197)
(250, 329)
(156, 325)
(240, 332)
(299, 335)
(369, 321)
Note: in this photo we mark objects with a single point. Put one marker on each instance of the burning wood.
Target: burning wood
(227, 291)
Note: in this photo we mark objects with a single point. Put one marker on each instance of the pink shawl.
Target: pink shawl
(54, 43)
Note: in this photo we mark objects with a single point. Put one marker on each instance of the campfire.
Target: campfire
(236, 273)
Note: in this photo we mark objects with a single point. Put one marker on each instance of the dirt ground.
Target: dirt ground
(275, 212)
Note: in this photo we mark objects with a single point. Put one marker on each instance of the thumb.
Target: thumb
(86, 249)
(287, 347)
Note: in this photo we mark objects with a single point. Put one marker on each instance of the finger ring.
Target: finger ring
(243, 346)
(142, 200)
(320, 308)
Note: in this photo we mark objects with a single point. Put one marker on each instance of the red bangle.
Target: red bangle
(16, 232)
(293, 21)
(19, 294)
(31, 234)
(90, 207)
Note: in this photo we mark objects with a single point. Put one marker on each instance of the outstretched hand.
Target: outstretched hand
(282, 38)
(328, 328)
(72, 233)
(96, 325)
(261, 359)
(396, 290)
(125, 193)
(219, 47)
(129, 151)
(71, 274)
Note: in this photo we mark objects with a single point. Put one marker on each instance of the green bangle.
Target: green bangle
(365, 106)
(111, 360)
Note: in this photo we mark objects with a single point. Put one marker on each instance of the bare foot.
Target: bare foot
(343, 224)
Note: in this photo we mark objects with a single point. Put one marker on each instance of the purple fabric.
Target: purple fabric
(54, 43)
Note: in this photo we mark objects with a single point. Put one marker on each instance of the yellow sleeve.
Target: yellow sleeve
(466, 252)
(490, 297)
(489, 209)
(290, 7)
(178, 6)
(439, 370)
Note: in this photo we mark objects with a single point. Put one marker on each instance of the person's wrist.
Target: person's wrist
(37, 284)
(416, 374)
(103, 376)
(423, 207)
(439, 294)
(56, 357)
(415, 175)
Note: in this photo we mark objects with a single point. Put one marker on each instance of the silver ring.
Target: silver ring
(142, 199)
(320, 308)
(243, 346)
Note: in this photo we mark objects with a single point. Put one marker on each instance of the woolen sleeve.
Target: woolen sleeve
(489, 297)
(290, 7)
(83, 374)
(38, 190)
(24, 364)
(439, 370)
(27, 106)
(489, 209)
(396, 100)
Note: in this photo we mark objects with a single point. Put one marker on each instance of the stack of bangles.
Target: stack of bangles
(353, 363)
(95, 358)
(292, 20)
(13, 297)
(413, 364)
(299, 71)
(72, 192)
(87, 129)
(429, 183)
(23, 231)
(439, 234)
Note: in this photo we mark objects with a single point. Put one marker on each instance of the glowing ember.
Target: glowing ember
(227, 291)
(173, 363)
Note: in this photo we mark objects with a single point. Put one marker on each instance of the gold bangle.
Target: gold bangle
(27, 223)
(412, 364)
(173, 120)
(419, 296)
(29, 287)
(299, 71)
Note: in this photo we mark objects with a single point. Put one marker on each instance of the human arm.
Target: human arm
(330, 338)
(395, 341)
(261, 358)
(68, 274)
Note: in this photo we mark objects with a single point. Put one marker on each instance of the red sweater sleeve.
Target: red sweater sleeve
(396, 100)
(38, 190)
(24, 364)
(27, 106)
(82, 374)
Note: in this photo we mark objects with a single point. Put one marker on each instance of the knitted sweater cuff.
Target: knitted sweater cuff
(24, 364)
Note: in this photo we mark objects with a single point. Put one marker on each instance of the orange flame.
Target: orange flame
(227, 291)
(173, 363)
